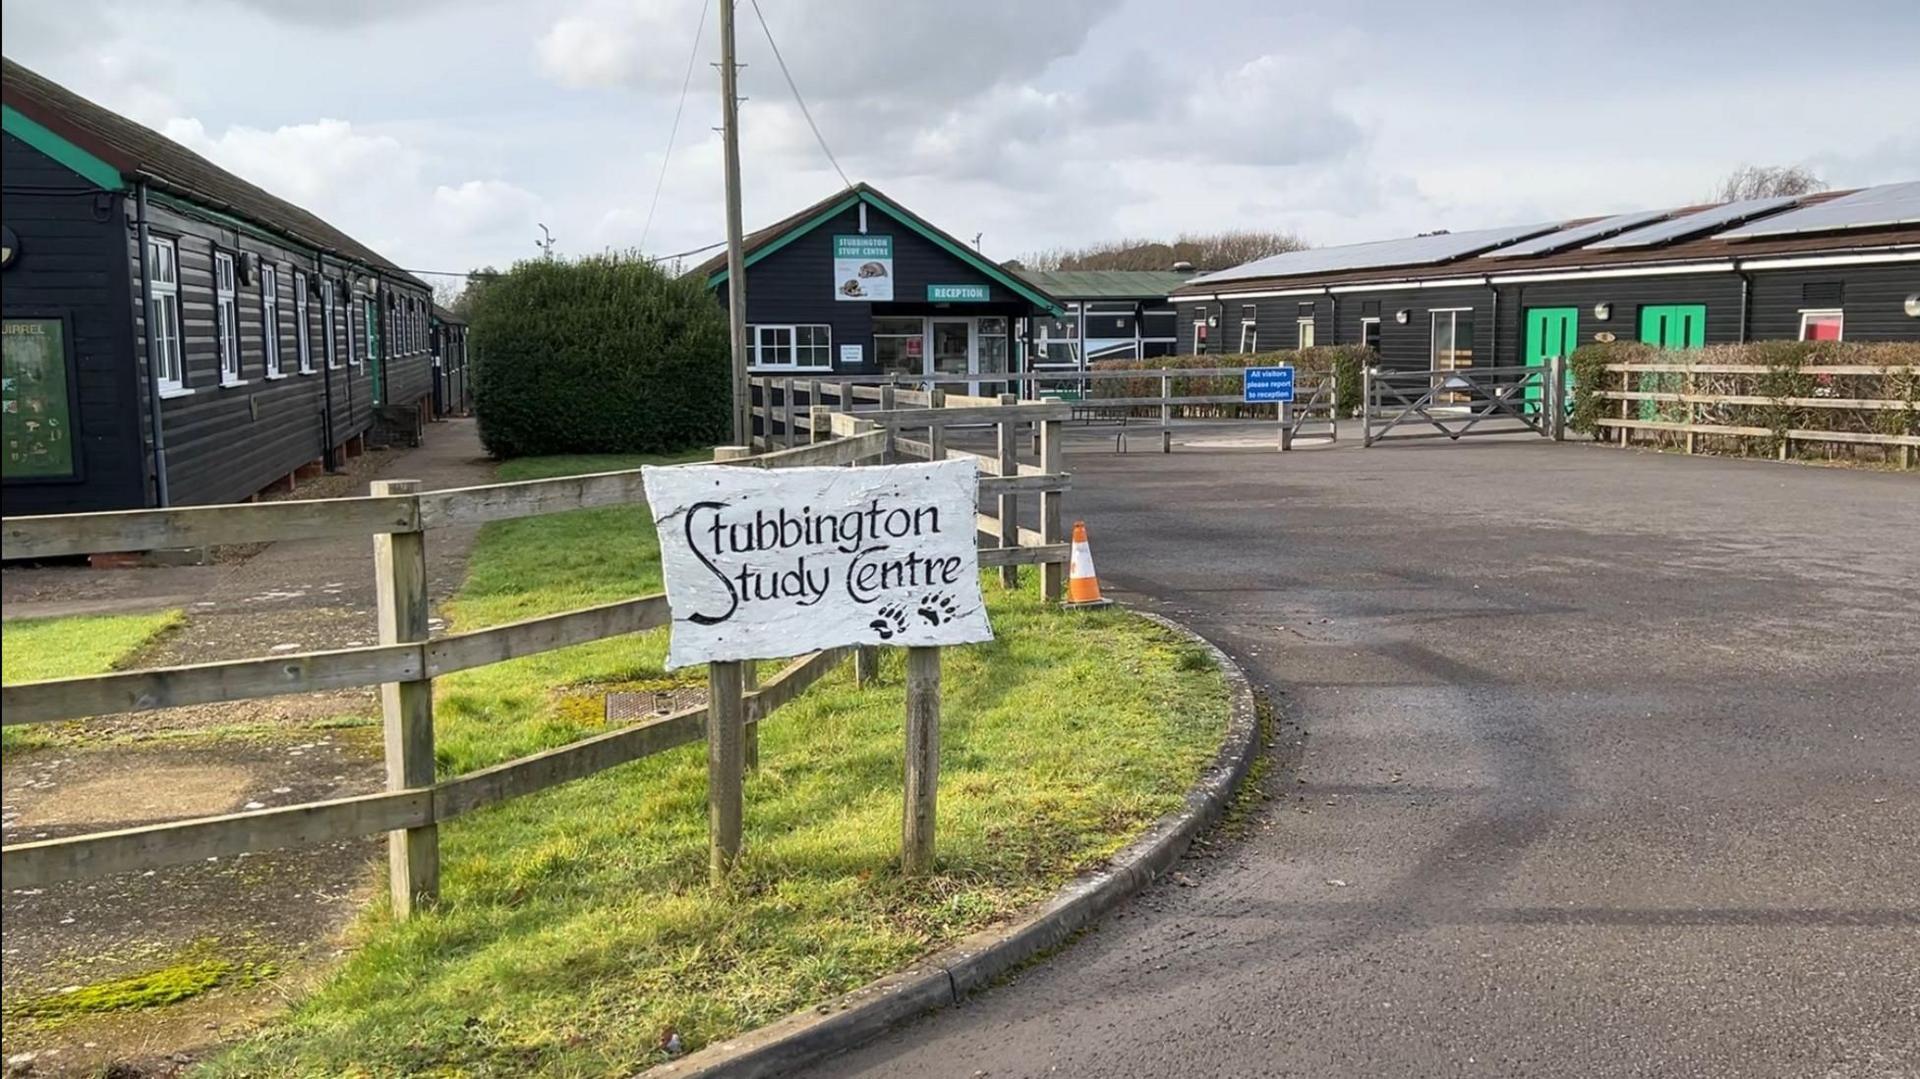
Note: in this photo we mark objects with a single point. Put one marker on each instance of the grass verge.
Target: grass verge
(32, 649)
(577, 932)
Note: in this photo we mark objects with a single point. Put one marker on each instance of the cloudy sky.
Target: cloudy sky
(441, 132)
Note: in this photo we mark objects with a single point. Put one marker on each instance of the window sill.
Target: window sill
(275, 376)
(308, 371)
(175, 391)
(226, 383)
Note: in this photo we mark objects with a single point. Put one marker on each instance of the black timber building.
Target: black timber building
(856, 284)
(1828, 266)
(176, 335)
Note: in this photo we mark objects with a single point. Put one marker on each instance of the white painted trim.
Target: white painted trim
(1902, 255)
(1662, 270)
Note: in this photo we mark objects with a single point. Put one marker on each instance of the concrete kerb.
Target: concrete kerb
(945, 979)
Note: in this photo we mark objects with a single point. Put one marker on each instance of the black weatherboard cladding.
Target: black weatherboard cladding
(1872, 297)
(795, 283)
(227, 442)
(71, 262)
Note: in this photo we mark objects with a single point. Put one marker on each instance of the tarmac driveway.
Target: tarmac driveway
(1606, 764)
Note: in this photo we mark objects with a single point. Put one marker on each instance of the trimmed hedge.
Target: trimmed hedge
(605, 354)
(1781, 379)
(1344, 362)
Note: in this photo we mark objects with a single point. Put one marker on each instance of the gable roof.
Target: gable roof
(111, 151)
(763, 242)
(1106, 284)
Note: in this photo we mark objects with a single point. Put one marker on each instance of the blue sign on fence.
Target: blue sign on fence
(1268, 385)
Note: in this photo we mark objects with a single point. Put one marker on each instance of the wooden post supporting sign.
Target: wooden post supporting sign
(923, 760)
(749, 674)
(400, 580)
(1009, 507)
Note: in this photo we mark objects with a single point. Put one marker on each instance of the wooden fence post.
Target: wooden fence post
(1366, 406)
(400, 585)
(923, 760)
(866, 664)
(936, 433)
(1166, 413)
(819, 423)
(1557, 399)
(888, 402)
(793, 412)
(1626, 386)
(749, 674)
(1009, 507)
(1053, 575)
(726, 765)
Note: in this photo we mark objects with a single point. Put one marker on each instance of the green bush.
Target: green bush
(601, 355)
(1344, 362)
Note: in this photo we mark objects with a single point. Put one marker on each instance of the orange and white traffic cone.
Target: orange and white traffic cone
(1083, 587)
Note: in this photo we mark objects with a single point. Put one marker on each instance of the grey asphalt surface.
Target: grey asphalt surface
(1610, 767)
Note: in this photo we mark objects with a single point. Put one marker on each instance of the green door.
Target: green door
(372, 311)
(1551, 331)
(1678, 325)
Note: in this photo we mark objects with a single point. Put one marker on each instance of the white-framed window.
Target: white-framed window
(899, 344)
(226, 316)
(1249, 328)
(801, 347)
(270, 318)
(302, 325)
(1822, 324)
(353, 346)
(1452, 339)
(327, 335)
(163, 314)
(1304, 326)
(1370, 333)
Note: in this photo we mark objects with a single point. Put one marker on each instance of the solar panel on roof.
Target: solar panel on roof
(1576, 236)
(1873, 207)
(1693, 224)
(1412, 251)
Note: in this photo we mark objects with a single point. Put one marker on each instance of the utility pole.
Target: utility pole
(736, 256)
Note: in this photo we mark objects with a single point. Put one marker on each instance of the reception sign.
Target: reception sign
(958, 294)
(863, 268)
(764, 564)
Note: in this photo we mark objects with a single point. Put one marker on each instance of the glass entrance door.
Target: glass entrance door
(950, 354)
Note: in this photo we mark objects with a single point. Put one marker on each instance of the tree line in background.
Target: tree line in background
(1203, 251)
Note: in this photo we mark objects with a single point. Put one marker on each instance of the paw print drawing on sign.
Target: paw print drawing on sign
(892, 621)
(937, 608)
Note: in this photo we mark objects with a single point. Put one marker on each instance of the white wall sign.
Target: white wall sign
(850, 355)
(863, 268)
(764, 564)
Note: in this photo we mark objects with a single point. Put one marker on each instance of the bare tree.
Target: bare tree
(1763, 181)
(1205, 251)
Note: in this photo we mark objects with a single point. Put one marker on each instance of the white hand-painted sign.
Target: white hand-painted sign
(764, 564)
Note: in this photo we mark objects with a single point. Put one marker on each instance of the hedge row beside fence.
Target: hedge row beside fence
(1783, 375)
(1344, 362)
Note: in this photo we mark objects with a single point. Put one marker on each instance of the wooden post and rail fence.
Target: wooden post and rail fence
(1703, 409)
(783, 405)
(406, 659)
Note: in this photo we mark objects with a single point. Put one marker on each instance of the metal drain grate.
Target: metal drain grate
(653, 703)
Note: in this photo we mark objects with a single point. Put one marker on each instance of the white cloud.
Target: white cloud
(310, 164)
(482, 206)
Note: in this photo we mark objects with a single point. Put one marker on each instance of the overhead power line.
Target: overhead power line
(674, 131)
(824, 148)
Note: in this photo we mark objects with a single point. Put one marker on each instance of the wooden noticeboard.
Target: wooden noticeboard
(36, 400)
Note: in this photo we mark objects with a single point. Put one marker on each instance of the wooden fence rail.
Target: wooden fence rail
(1700, 405)
(406, 660)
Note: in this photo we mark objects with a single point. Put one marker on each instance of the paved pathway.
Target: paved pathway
(217, 759)
(1608, 764)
